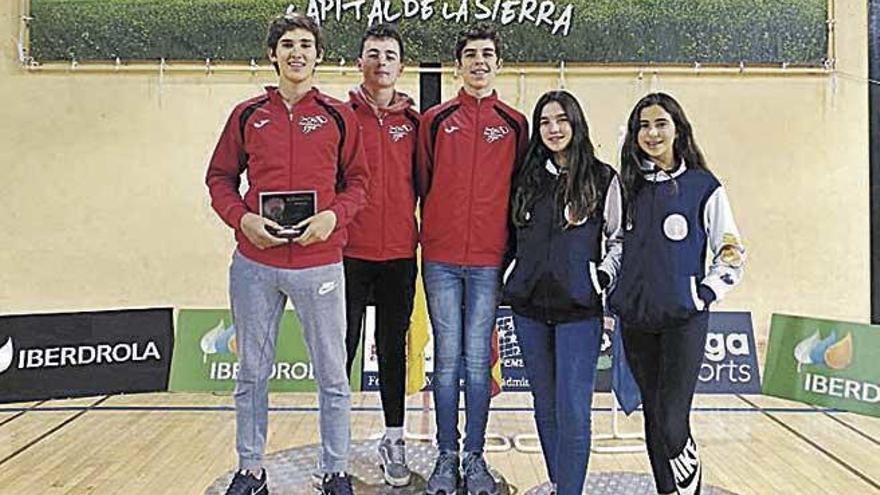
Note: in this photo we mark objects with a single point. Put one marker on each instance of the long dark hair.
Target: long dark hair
(631, 155)
(580, 190)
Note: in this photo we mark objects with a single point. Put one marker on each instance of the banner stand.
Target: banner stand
(496, 442)
(528, 442)
(425, 435)
(617, 435)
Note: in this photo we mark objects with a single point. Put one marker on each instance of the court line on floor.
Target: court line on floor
(51, 431)
(855, 429)
(301, 409)
(23, 412)
(867, 479)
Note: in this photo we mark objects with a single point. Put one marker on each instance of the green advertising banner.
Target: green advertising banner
(604, 31)
(824, 362)
(204, 355)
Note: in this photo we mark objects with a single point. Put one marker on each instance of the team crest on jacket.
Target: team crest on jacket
(675, 227)
(494, 133)
(309, 123)
(399, 132)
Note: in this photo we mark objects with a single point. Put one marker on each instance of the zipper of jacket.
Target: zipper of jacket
(550, 225)
(467, 242)
(382, 197)
(290, 155)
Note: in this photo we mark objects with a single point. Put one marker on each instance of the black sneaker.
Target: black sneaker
(244, 483)
(336, 484)
(477, 478)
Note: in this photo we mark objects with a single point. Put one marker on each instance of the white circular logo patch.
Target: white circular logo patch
(675, 227)
(568, 216)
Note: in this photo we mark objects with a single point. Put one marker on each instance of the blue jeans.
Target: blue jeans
(561, 365)
(461, 303)
(258, 294)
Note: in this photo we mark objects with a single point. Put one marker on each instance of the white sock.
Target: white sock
(394, 434)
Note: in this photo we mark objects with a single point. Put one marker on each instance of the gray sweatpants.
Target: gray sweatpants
(258, 294)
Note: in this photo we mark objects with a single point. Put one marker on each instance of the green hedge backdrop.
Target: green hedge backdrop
(687, 31)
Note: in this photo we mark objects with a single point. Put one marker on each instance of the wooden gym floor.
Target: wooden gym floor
(180, 443)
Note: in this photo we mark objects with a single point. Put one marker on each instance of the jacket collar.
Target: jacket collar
(399, 103)
(275, 96)
(553, 169)
(653, 173)
(469, 100)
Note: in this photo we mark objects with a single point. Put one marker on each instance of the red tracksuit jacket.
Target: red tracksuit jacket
(316, 146)
(386, 228)
(466, 156)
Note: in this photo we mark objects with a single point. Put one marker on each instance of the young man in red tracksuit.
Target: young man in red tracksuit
(292, 138)
(380, 259)
(468, 147)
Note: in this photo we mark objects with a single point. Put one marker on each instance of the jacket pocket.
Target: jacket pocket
(509, 271)
(594, 278)
(577, 284)
(670, 299)
(699, 305)
(516, 290)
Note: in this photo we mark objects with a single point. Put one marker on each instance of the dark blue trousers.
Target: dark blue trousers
(560, 363)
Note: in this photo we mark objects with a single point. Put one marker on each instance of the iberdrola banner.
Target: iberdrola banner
(205, 354)
(824, 362)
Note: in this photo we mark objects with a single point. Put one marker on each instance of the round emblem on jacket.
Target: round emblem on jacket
(675, 227)
(570, 217)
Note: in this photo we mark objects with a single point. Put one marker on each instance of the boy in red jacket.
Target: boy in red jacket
(468, 147)
(295, 142)
(380, 259)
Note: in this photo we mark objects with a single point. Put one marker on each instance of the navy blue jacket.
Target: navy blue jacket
(665, 246)
(554, 276)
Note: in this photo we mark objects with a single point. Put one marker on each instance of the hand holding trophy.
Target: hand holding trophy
(287, 211)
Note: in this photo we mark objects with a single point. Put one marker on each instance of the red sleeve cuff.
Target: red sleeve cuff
(233, 218)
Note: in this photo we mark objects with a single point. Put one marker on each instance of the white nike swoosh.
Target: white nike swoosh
(450, 130)
(695, 482)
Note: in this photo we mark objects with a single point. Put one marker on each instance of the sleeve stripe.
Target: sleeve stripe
(340, 124)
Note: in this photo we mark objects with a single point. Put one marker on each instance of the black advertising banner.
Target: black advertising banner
(61, 355)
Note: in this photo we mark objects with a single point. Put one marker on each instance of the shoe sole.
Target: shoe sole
(482, 492)
(390, 480)
(496, 492)
(441, 491)
(394, 482)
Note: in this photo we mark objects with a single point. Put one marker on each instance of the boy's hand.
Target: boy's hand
(318, 228)
(253, 227)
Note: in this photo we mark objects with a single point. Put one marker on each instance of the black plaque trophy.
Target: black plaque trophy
(287, 208)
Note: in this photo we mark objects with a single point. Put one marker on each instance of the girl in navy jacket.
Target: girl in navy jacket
(564, 202)
(675, 210)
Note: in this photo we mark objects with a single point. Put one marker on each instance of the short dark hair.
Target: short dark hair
(288, 22)
(383, 30)
(478, 31)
